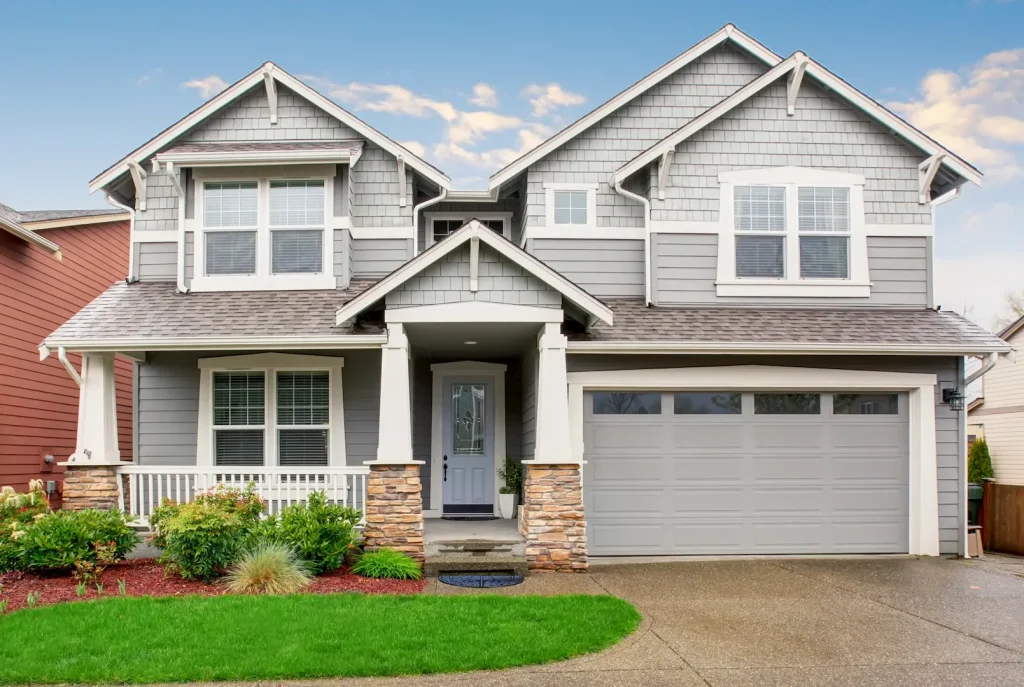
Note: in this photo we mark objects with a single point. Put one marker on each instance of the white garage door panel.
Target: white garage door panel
(746, 483)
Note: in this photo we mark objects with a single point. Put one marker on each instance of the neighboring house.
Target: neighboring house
(52, 263)
(998, 416)
(715, 292)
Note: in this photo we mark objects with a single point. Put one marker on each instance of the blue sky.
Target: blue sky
(83, 87)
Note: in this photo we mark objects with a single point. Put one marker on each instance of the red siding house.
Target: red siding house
(52, 263)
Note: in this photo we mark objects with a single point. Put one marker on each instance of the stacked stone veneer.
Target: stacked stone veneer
(394, 510)
(553, 520)
(93, 486)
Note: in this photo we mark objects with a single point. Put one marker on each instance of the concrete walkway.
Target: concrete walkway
(875, 621)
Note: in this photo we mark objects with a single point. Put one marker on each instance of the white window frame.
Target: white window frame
(858, 285)
(270, 364)
(430, 217)
(549, 204)
(264, 279)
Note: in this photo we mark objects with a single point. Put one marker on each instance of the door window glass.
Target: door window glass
(468, 419)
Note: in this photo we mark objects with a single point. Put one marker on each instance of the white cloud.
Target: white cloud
(979, 114)
(149, 76)
(414, 147)
(208, 87)
(544, 99)
(495, 158)
(470, 127)
(484, 95)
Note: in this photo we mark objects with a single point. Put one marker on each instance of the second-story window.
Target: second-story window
(231, 219)
(570, 207)
(760, 217)
(297, 227)
(824, 219)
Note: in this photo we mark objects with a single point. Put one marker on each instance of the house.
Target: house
(702, 316)
(52, 263)
(998, 415)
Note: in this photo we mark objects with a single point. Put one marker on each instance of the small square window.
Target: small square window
(708, 403)
(866, 404)
(570, 207)
(787, 404)
(627, 403)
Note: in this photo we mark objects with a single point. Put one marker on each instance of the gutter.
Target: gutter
(719, 348)
(993, 358)
(617, 185)
(416, 209)
(215, 343)
(62, 356)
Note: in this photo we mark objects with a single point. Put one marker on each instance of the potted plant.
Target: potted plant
(979, 469)
(512, 475)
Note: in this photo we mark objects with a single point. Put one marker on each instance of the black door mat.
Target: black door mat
(481, 580)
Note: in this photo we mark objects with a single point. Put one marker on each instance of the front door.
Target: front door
(467, 466)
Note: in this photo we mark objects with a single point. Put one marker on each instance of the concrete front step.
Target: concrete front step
(475, 555)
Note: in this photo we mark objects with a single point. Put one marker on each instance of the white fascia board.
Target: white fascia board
(746, 348)
(697, 123)
(727, 32)
(253, 157)
(220, 343)
(43, 225)
(32, 237)
(474, 311)
(240, 87)
(573, 293)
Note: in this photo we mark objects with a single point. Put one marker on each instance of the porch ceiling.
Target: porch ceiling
(493, 340)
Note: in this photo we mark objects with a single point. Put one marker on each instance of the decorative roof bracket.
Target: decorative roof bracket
(926, 175)
(796, 77)
(268, 80)
(663, 166)
(139, 176)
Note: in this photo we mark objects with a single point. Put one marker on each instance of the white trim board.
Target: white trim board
(129, 344)
(696, 227)
(43, 225)
(244, 85)
(581, 232)
(493, 372)
(923, 483)
(430, 217)
(475, 312)
(729, 32)
(474, 230)
(359, 233)
(786, 348)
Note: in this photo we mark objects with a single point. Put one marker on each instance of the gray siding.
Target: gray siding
(499, 281)
(949, 438)
(825, 133)
(190, 257)
(529, 403)
(602, 267)
(379, 257)
(168, 409)
(161, 211)
(361, 382)
(593, 155)
(156, 261)
(342, 258)
(685, 267)
(375, 191)
(422, 420)
(470, 210)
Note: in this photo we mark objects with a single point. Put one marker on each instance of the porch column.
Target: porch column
(90, 480)
(394, 493)
(553, 518)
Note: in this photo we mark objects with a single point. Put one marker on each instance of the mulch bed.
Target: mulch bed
(145, 577)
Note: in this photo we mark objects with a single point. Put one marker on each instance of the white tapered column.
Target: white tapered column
(394, 445)
(553, 438)
(97, 413)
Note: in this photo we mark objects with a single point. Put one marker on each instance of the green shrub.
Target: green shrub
(387, 564)
(321, 533)
(246, 504)
(18, 511)
(268, 568)
(979, 462)
(512, 475)
(200, 540)
(66, 539)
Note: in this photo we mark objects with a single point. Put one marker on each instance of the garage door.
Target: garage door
(746, 473)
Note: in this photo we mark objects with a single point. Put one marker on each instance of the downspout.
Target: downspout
(62, 356)
(617, 185)
(993, 358)
(416, 218)
(131, 233)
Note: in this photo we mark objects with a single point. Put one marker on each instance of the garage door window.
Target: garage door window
(708, 403)
(627, 403)
(787, 404)
(866, 404)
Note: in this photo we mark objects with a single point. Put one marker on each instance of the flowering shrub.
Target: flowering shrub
(17, 512)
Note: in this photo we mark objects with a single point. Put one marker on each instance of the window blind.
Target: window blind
(303, 400)
(238, 400)
(238, 446)
(296, 203)
(302, 447)
(824, 257)
(759, 208)
(297, 251)
(761, 256)
(231, 252)
(230, 204)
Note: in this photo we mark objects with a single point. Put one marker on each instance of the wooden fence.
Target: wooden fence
(1002, 518)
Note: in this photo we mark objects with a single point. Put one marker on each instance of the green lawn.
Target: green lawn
(191, 639)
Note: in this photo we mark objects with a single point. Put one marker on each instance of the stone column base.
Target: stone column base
(394, 510)
(90, 486)
(553, 519)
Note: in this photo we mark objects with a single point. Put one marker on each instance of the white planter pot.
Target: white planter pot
(507, 505)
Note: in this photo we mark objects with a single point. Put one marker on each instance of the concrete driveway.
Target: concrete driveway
(838, 622)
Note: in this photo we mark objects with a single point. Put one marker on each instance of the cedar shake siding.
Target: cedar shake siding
(38, 293)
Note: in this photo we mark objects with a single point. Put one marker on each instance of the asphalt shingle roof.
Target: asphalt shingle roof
(9, 214)
(155, 310)
(872, 327)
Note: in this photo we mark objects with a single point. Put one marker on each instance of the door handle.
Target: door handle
(444, 469)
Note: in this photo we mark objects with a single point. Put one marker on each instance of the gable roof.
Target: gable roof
(829, 80)
(10, 221)
(474, 229)
(240, 88)
(1012, 328)
(729, 32)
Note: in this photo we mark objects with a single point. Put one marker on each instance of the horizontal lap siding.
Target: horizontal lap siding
(379, 257)
(603, 267)
(39, 400)
(156, 261)
(949, 442)
(685, 268)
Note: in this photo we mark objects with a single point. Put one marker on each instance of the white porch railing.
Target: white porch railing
(148, 486)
